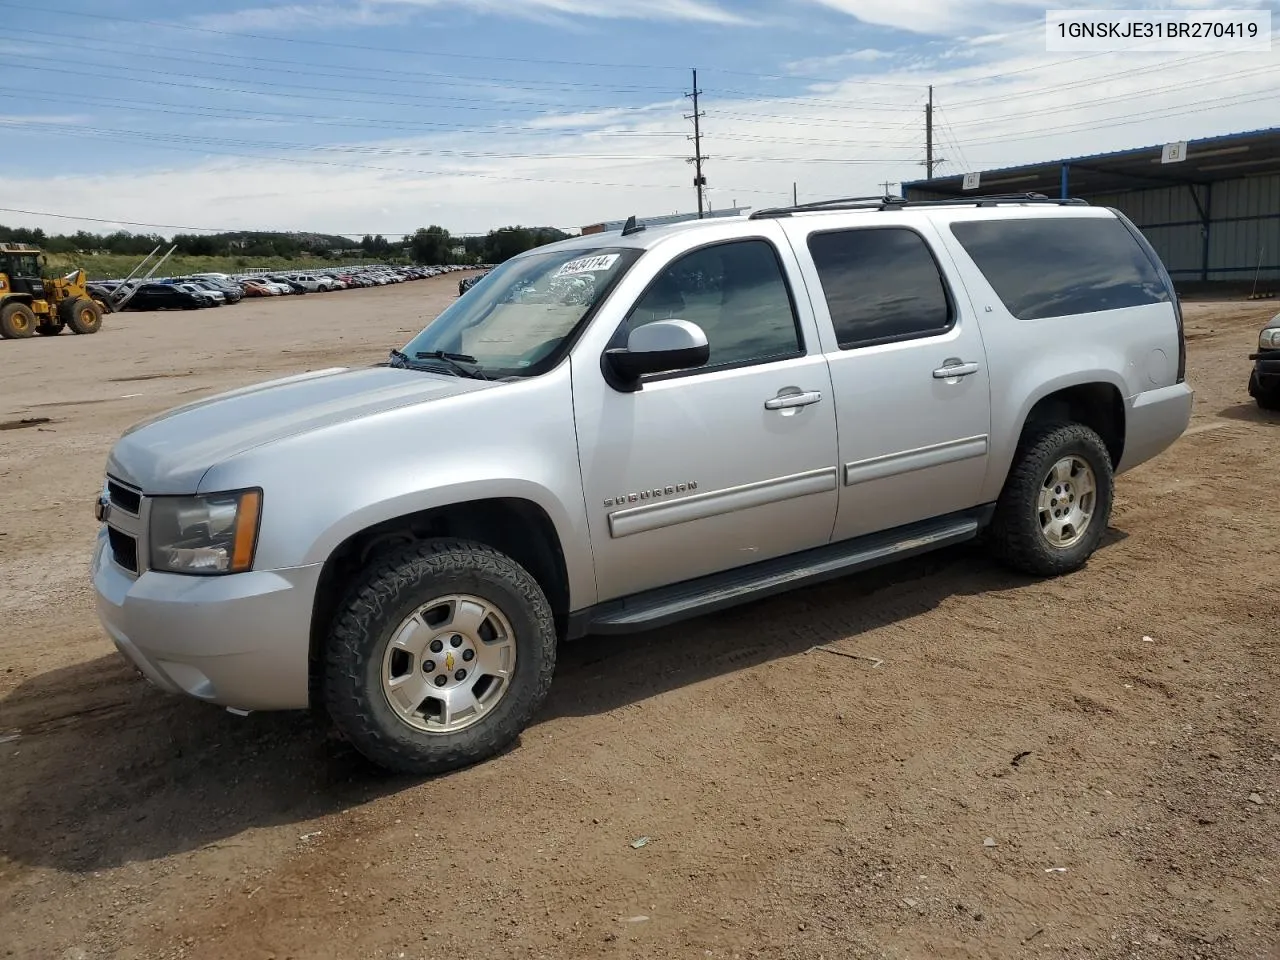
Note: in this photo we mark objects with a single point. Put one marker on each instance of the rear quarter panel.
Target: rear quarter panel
(1134, 349)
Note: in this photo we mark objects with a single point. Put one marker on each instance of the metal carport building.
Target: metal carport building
(1214, 216)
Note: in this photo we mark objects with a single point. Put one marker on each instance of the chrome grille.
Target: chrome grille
(126, 526)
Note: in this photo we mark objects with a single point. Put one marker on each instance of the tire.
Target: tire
(83, 316)
(17, 322)
(1018, 535)
(357, 659)
(50, 329)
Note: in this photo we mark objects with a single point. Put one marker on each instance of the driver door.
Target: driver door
(705, 470)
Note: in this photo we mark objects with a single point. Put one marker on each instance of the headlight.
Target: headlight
(205, 535)
(1269, 339)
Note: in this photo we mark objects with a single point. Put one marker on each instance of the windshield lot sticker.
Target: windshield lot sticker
(588, 265)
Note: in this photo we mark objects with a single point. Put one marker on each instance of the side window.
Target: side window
(1056, 266)
(736, 293)
(881, 284)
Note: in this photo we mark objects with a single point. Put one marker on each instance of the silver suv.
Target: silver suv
(621, 430)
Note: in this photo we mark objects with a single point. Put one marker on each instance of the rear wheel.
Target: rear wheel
(439, 656)
(17, 322)
(82, 315)
(1056, 503)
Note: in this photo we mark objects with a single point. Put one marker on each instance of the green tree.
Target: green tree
(431, 245)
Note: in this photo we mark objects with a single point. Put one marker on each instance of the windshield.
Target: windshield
(516, 319)
(21, 265)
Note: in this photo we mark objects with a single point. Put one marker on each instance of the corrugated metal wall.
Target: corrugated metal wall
(1244, 225)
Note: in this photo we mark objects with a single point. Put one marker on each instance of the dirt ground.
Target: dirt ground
(1083, 767)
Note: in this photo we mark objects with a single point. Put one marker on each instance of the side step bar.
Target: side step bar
(666, 605)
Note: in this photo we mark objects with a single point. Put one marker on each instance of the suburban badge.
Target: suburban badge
(651, 494)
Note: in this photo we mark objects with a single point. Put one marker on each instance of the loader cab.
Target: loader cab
(21, 270)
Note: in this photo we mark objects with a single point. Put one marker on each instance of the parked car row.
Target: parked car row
(218, 289)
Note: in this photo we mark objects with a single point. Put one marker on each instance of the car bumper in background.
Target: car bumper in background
(1154, 420)
(1266, 372)
(240, 641)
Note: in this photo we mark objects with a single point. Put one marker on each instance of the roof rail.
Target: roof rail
(900, 203)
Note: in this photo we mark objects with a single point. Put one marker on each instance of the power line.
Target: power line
(239, 35)
(359, 123)
(171, 226)
(281, 66)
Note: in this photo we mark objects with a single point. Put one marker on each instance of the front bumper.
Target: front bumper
(1266, 372)
(240, 641)
(1154, 420)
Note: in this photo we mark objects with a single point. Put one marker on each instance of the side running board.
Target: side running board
(665, 605)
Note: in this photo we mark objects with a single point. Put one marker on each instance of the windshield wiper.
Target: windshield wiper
(455, 361)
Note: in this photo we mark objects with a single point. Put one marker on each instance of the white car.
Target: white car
(195, 289)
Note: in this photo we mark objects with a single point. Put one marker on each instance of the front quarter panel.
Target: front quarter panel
(513, 440)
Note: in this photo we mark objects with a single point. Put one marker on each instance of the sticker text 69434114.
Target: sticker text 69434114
(588, 265)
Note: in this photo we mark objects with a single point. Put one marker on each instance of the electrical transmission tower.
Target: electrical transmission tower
(699, 181)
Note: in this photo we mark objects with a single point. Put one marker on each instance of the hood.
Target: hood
(169, 453)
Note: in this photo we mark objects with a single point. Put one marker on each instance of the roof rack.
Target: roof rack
(900, 203)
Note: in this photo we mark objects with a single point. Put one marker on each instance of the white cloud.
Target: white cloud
(384, 12)
(292, 16)
(812, 65)
(687, 10)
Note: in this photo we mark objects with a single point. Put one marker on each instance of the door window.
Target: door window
(881, 285)
(736, 292)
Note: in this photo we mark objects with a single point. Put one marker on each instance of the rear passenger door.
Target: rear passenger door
(908, 371)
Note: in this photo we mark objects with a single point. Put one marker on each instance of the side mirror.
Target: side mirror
(658, 347)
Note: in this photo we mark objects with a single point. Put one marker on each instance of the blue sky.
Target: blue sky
(386, 115)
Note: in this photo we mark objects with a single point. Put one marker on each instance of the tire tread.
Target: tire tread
(1013, 536)
(373, 598)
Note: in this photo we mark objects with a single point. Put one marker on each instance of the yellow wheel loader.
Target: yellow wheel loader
(31, 304)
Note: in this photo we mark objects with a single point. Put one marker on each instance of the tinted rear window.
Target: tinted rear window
(1055, 267)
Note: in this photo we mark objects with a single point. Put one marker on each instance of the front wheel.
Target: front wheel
(1056, 503)
(84, 316)
(439, 656)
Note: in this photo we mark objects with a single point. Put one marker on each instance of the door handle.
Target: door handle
(793, 400)
(954, 368)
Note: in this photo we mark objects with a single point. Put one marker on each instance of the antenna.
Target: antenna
(631, 226)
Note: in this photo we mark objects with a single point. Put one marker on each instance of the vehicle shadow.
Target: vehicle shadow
(601, 673)
(106, 770)
(1250, 412)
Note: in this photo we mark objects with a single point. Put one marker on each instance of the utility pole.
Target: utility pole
(929, 160)
(928, 134)
(699, 181)
(886, 184)
(795, 195)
